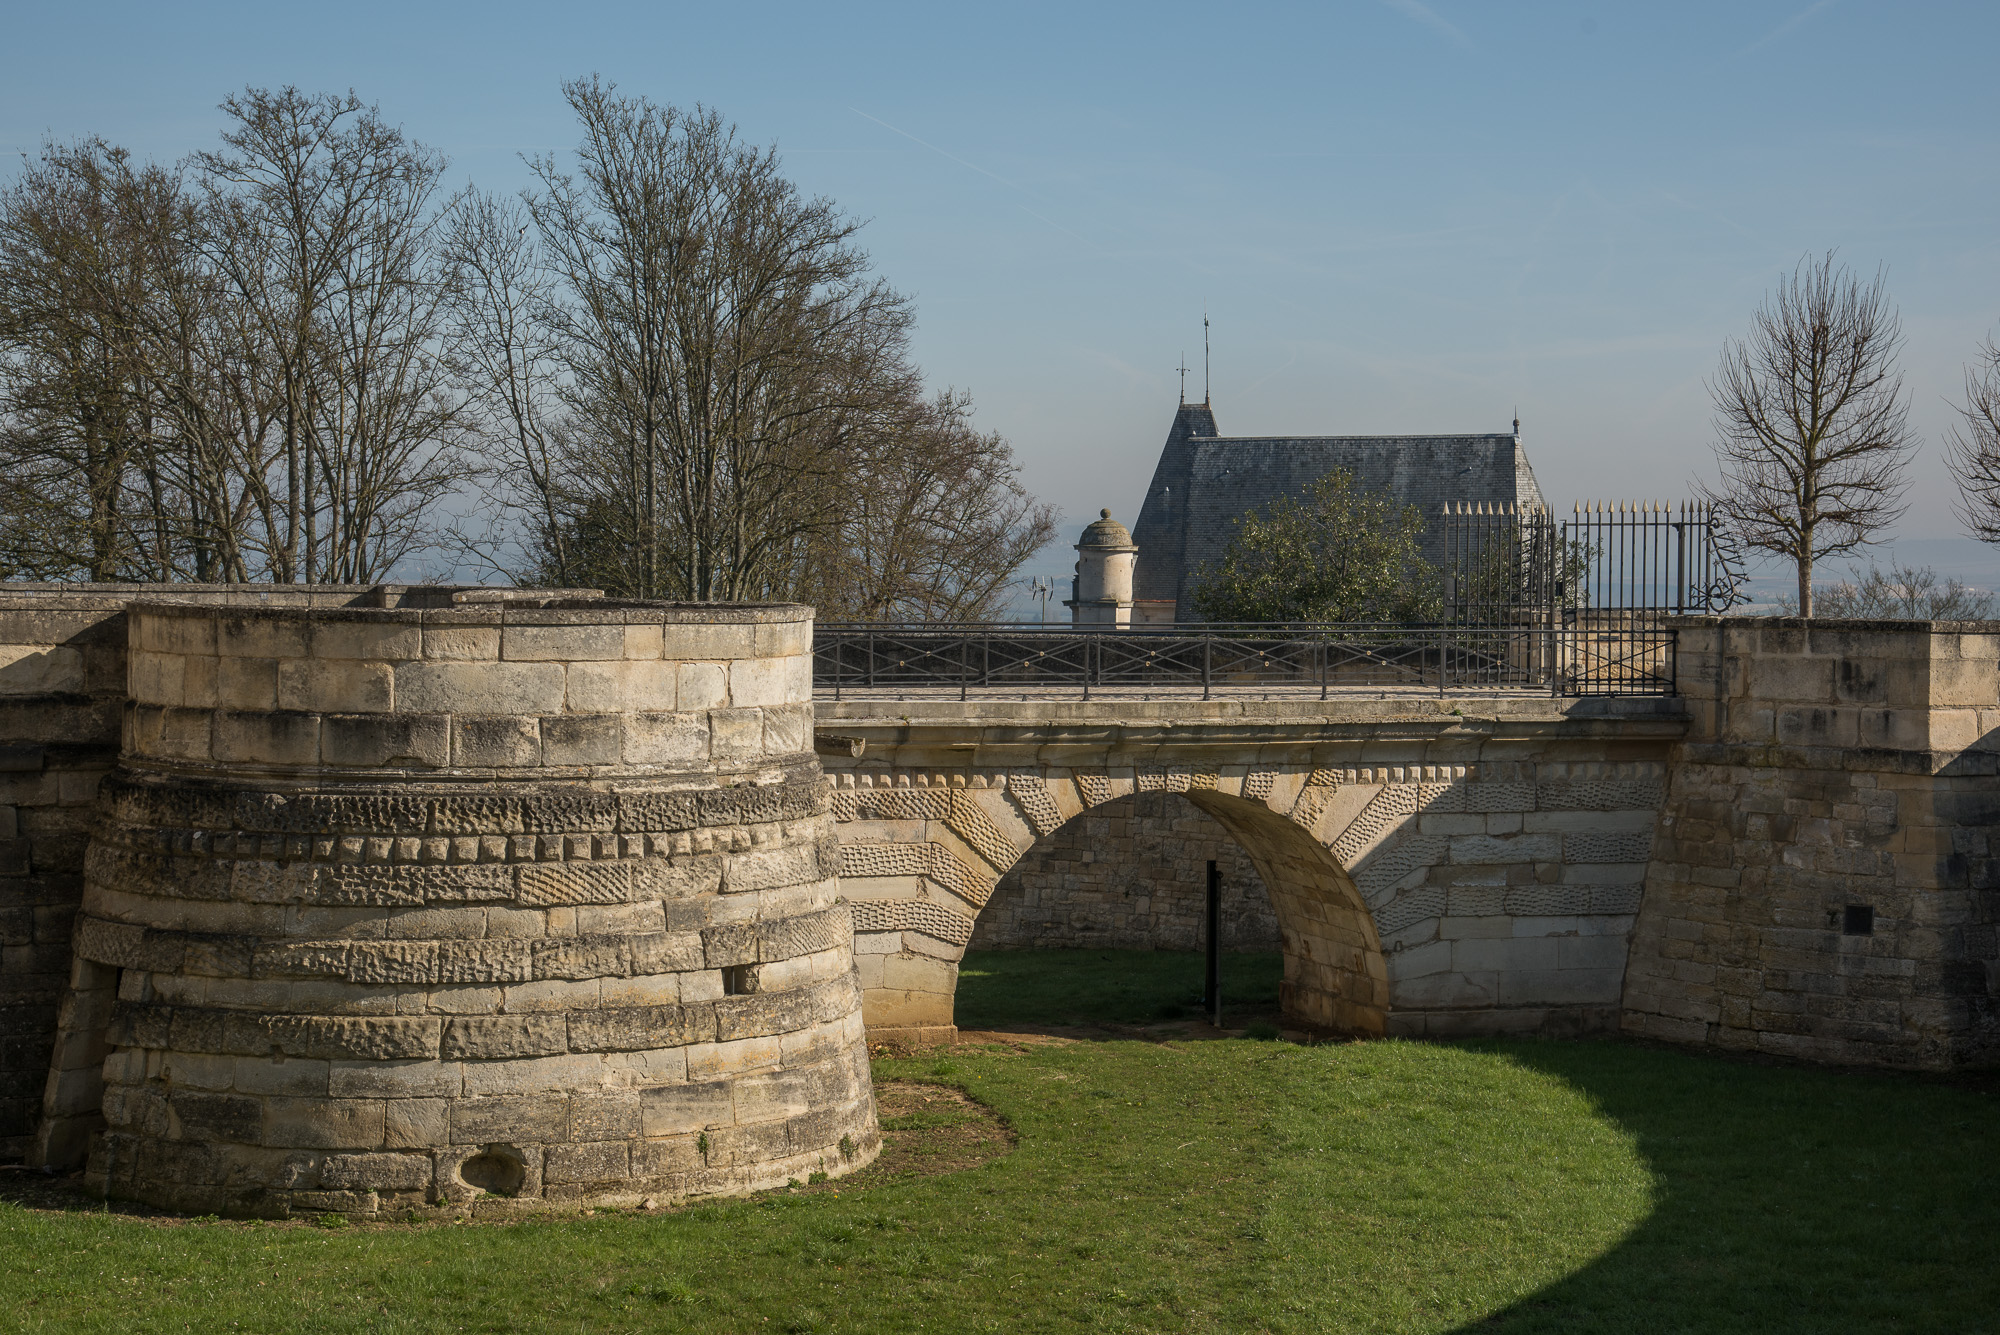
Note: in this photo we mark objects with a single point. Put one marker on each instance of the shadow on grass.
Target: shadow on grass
(1793, 1200)
(999, 988)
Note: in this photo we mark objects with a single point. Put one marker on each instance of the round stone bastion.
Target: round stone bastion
(492, 908)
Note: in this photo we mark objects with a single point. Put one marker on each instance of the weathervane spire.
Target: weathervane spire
(1204, 354)
(1183, 369)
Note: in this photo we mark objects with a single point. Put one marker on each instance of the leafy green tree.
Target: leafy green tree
(1336, 553)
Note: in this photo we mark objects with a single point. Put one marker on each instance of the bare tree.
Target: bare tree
(88, 242)
(678, 376)
(1972, 451)
(506, 348)
(321, 217)
(1813, 421)
(723, 342)
(934, 524)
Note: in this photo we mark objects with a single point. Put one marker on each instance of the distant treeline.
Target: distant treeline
(660, 371)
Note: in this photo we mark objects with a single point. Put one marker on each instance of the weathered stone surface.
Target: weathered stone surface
(415, 916)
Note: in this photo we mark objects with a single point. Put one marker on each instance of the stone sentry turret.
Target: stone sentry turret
(1101, 592)
(504, 906)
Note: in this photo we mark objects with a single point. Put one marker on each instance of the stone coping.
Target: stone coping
(1470, 711)
(1832, 624)
(510, 611)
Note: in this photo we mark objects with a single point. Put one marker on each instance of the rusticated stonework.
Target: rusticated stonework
(494, 907)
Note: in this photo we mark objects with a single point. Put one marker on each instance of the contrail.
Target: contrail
(973, 166)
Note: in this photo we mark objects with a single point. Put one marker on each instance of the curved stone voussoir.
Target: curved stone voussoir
(450, 919)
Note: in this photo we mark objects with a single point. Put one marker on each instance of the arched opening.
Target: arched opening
(1126, 879)
(1336, 979)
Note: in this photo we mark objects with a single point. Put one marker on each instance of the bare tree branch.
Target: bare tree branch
(1812, 419)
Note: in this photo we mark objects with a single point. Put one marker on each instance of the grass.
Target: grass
(1197, 1186)
(1002, 988)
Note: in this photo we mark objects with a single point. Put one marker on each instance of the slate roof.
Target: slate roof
(1205, 480)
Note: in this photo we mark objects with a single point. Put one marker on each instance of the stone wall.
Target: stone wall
(501, 904)
(62, 695)
(1826, 877)
(1129, 875)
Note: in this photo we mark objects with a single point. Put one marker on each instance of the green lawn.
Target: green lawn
(999, 988)
(1202, 1186)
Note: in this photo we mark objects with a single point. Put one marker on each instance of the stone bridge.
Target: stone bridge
(1797, 852)
(1437, 866)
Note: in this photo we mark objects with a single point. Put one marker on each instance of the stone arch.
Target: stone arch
(1336, 978)
(922, 851)
(1129, 874)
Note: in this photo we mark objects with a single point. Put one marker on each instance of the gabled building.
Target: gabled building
(1206, 480)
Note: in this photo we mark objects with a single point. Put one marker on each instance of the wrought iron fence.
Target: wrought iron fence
(1611, 562)
(1221, 659)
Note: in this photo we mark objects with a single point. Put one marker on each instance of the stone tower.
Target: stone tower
(499, 905)
(1102, 592)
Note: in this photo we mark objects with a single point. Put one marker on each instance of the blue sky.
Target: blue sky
(1401, 217)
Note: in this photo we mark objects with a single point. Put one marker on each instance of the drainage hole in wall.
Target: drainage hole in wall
(497, 1169)
(1859, 920)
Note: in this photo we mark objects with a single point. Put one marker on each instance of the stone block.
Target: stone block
(247, 683)
(736, 734)
(559, 1074)
(248, 636)
(1486, 849)
(461, 644)
(623, 686)
(520, 688)
(268, 739)
(583, 739)
(1449, 990)
(511, 1118)
(562, 643)
(175, 632)
(416, 1123)
(395, 1080)
(767, 681)
(1504, 955)
(498, 741)
(379, 641)
(691, 640)
(703, 685)
(599, 1161)
(686, 1109)
(336, 685)
(665, 739)
(325, 1124)
(788, 729)
(376, 1172)
(396, 740)
(1561, 987)
(156, 678)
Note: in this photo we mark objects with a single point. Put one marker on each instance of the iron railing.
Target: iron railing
(877, 659)
(1623, 561)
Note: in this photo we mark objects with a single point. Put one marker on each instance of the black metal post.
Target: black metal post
(1212, 982)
